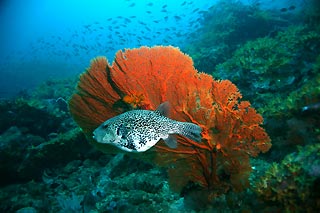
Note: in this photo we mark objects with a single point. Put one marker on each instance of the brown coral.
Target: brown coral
(146, 77)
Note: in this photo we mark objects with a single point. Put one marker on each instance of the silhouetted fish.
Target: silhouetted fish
(283, 9)
(292, 7)
(311, 107)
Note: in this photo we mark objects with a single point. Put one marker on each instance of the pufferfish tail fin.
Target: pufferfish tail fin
(190, 130)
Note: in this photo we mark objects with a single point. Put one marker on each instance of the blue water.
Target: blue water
(42, 39)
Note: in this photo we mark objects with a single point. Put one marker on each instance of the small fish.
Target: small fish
(127, 20)
(292, 7)
(140, 22)
(177, 18)
(283, 9)
(311, 107)
(139, 130)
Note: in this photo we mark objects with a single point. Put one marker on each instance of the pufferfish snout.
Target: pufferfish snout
(139, 130)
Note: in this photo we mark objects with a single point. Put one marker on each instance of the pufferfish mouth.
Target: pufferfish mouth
(98, 137)
(95, 137)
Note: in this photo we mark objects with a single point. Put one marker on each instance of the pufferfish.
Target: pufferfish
(139, 130)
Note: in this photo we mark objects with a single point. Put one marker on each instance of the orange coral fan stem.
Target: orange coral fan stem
(190, 143)
(167, 149)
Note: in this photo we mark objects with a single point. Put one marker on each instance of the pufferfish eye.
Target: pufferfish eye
(105, 126)
(119, 129)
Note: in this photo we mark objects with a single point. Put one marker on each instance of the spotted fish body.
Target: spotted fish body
(139, 130)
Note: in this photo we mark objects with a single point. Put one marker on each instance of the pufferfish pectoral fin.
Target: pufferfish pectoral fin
(171, 142)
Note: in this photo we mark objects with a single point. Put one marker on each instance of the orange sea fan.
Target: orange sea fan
(146, 77)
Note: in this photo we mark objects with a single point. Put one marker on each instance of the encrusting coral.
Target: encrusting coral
(146, 77)
(274, 67)
(293, 183)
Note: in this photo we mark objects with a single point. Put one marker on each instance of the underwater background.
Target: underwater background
(270, 50)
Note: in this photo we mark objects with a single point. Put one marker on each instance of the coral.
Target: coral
(225, 26)
(270, 56)
(307, 94)
(86, 183)
(96, 95)
(261, 55)
(70, 204)
(146, 77)
(50, 96)
(273, 64)
(293, 183)
(35, 121)
(24, 156)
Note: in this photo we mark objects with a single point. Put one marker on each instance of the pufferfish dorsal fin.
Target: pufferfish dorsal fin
(164, 109)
